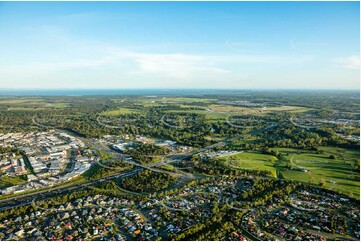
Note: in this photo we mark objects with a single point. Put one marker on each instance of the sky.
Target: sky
(220, 45)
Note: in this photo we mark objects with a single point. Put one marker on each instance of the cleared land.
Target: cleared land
(232, 109)
(292, 109)
(184, 100)
(10, 181)
(120, 111)
(315, 168)
(30, 104)
(319, 169)
(252, 161)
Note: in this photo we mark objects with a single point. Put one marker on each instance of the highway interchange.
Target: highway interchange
(26, 199)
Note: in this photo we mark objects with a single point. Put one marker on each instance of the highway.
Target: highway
(26, 199)
(54, 191)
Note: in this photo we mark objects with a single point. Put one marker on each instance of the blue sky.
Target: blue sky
(232, 45)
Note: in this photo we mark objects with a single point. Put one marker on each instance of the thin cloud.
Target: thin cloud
(349, 62)
(295, 47)
(122, 64)
(306, 46)
(175, 65)
(242, 46)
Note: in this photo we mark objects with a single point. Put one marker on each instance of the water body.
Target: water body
(154, 92)
(8, 92)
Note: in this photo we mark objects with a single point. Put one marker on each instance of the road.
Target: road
(26, 199)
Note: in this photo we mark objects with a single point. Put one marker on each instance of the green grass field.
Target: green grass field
(210, 116)
(105, 156)
(161, 101)
(6, 181)
(184, 100)
(21, 101)
(334, 174)
(252, 161)
(120, 111)
(292, 109)
(24, 109)
(244, 141)
(57, 105)
(232, 109)
(31, 104)
(220, 112)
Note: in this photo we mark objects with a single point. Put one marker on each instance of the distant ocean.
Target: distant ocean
(8, 92)
(94, 92)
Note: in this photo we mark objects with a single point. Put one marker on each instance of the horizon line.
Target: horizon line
(173, 89)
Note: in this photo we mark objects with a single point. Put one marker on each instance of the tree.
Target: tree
(356, 166)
